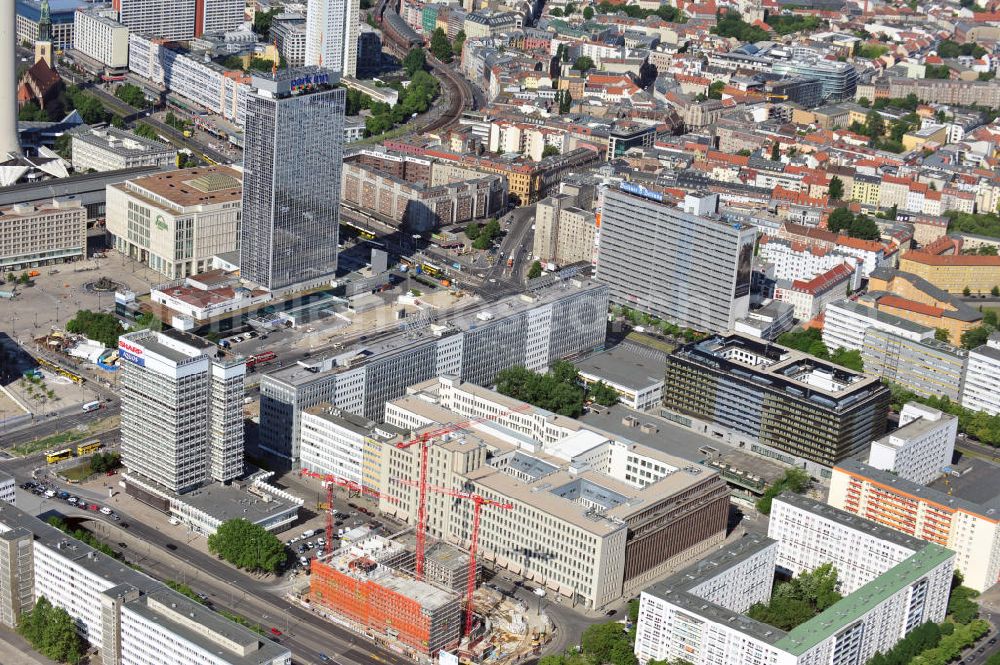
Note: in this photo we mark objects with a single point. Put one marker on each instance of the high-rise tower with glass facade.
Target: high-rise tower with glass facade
(293, 149)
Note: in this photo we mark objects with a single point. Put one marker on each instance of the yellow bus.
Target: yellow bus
(58, 455)
(87, 448)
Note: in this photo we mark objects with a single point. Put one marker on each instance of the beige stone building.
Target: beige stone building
(176, 221)
(38, 235)
(564, 233)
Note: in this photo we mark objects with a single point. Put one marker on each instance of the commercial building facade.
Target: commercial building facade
(291, 207)
(343, 444)
(130, 617)
(98, 35)
(207, 84)
(42, 234)
(981, 390)
(926, 367)
(689, 270)
(564, 234)
(782, 403)
(846, 323)
(699, 614)
(936, 514)
(176, 221)
(200, 438)
(332, 28)
(565, 319)
(594, 516)
(182, 19)
(111, 149)
(920, 450)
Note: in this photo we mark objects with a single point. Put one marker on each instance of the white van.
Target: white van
(306, 534)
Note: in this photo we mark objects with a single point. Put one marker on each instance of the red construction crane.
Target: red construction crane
(331, 481)
(424, 440)
(477, 503)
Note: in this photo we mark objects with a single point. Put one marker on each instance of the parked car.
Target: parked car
(105, 510)
(276, 632)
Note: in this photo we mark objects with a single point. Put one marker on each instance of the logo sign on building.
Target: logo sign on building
(311, 79)
(639, 190)
(131, 353)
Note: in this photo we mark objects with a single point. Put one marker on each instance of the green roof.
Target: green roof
(853, 607)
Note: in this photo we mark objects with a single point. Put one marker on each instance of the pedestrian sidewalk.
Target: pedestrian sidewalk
(14, 650)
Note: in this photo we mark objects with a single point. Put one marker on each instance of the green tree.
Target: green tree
(247, 545)
(549, 151)
(52, 632)
(836, 189)
(995, 291)
(715, 89)
(535, 270)
(731, 24)
(849, 359)
(98, 326)
(557, 390)
(146, 131)
(472, 230)
(459, 42)
(794, 480)
(961, 606)
(603, 394)
(565, 102)
(599, 640)
(440, 46)
(31, 112)
(795, 602)
(104, 462)
(64, 146)
(775, 151)
(942, 334)
(414, 61)
(584, 63)
(966, 292)
(131, 95)
(588, 13)
(262, 21)
(976, 337)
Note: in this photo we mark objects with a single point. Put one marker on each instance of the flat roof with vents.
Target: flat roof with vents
(185, 188)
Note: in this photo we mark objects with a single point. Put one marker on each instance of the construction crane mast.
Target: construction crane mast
(424, 441)
(477, 503)
(332, 481)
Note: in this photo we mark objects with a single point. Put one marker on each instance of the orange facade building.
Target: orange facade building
(387, 604)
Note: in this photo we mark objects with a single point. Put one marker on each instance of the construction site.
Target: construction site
(414, 595)
(369, 585)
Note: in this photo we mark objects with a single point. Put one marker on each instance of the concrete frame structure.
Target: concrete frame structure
(922, 447)
(130, 617)
(568, 317)
(42, 234)
(783, 403)
(596, 516)
(689, 270)
(200, 439)
(938, 514)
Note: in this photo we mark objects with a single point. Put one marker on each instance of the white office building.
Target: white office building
(7, 485)
(129, 617)
(892, 584)
(110, 149)
(332, 28)
(167, 20)
(981, 389)
(846, 321)
(205, 83)
(98, 35)
(922, 446)
(199, 438)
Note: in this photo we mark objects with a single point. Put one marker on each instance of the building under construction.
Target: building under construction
(362, 583)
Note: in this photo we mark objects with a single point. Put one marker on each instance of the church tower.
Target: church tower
(43, 45)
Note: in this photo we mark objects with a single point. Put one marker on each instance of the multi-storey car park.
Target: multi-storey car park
(782, 403)
(562, 319)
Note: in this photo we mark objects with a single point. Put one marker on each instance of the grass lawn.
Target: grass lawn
(79, 473)
(649, 340)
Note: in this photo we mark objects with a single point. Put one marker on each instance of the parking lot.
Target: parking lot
(43, 488)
